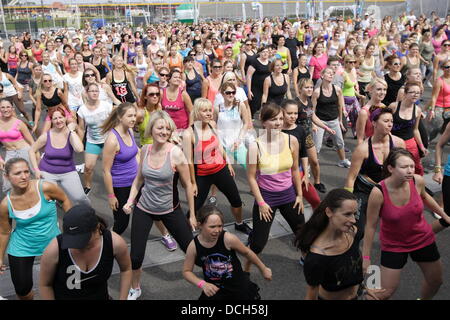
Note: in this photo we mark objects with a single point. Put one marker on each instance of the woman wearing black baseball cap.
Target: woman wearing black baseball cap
(78, 263)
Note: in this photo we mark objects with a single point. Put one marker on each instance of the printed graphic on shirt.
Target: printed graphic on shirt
(218, 267)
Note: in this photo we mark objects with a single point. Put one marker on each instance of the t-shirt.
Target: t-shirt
(94, 119)
(75, 86)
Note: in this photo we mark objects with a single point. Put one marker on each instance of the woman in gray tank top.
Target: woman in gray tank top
(160, 165)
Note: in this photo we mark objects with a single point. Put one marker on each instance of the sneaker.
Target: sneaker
(243, 227)
(169, 242)
(212, 200)
(320, 187)
(133, 294)
(87, 190)
(1, 298)
(344, 163)
(428, 84)
(80, 168)
(436, 216)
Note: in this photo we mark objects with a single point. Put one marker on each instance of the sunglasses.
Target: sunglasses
(446, 45)
(230, 92)
(217, 67)
(88, 75)
(47, 81)
(396, 64)
(153, 94)
(24, 55)
(161, 56)
(446, 67)
(163, 74)
(351, 61)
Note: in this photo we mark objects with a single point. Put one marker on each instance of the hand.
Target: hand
(34, 128)
(371, 294)
(425, 152)
(193, 222)
(250, 95)
(232, 173)
(2, 266)
(342, 127)
(113, 203)
(72, 126)
(305, 181)
(209, 289)
(2, 164)
(267, 274)
(289, 71)
(265, 212)
(431, 115)
(38, 174)
(438, 177)
(194, 189)
(366, 264)
(314, 128)
(128, 207)
(299, 203)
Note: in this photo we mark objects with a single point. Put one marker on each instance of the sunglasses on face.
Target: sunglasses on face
(217, 67)
(446, 67)
(396, 64)
(163, 74)
(153, 94)
(88, 75)
(230, 92)
(351, 61)
(45, 81)
(446, 45)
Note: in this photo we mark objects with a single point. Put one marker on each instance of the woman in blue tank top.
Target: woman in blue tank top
(32, 204)
(120, 161)
(57, 164)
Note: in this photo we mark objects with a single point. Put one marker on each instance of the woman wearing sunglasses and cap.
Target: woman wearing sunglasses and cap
(77, 264)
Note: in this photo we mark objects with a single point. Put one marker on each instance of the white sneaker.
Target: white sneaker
(133, 294)
(428, 84)
(344, 163)
(80, 168)
(1, 298)
(436, 216)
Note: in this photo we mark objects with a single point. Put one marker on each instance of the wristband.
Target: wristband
(130, 201)
(366, 258)
(111, 196)
(261, 203)
(421, 146)
(349, 189)
(201, 284)
(35, 169)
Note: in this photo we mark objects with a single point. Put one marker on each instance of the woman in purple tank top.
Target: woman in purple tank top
(57, 164)
(398, 201)
(120, 161)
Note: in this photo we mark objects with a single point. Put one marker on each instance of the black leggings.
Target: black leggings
(141, 225)
(261, 229)
(224, 182)
(21, 269)
(121, 219)
(446, 193)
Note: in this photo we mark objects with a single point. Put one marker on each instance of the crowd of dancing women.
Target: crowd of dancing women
(180, 107)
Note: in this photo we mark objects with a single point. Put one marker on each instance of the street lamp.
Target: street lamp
(3, 18)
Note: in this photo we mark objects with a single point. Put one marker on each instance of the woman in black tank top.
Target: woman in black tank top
(78, 263)
(215, 251)
(125, 89)
(273, 91)
(366, 169)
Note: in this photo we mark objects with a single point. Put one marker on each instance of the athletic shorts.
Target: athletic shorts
(93, 148)
(397, 260)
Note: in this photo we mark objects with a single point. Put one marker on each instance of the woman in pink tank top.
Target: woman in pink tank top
(176, 102)
(211, 86)
(398, 201)
(440, 96)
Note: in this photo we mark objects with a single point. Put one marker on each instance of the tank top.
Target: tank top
(101, 68)
(12, 62)
(276, 92)
(372, 167)
(220, 266)
(443, 99)
(333, 49)
(404, 128)
(302, 75)
(141, 67)
(202, 61)
(125, 166)
(212, 90)
(248, 61)
(122, 90)
(12, 135)
(23, 74)
(176, 109)
(392, 88)
(409, 65)
(175, 63)
(284, 59)
(57, 160)
(207, 156)
(142, 139)
(54, 101)
(87, 58)
(327, 108)
(366, 70)
(319, 63)
(447, 167)
(160, 193)
(131, 55)
(35, 227)
(93, 284)
(349, 88)
(194, 86)
(8, 88)
(305, 113)
(229, 125)
(274, 170)
(404, 229)
(37, 54)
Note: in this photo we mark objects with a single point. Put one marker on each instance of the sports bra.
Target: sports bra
(12, 135)
(372, 167)
(54, 101)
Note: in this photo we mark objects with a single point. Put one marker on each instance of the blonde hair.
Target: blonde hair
(114, 117)
(126, 67)
(198, 105)
(374, 81)
(157, 115)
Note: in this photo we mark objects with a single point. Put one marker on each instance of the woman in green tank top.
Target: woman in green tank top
(351, 92)
(149, 102)
(285, 55)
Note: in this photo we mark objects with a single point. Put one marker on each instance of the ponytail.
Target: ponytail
(114, 117)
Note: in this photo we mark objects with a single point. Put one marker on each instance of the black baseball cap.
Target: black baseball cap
(78, 224)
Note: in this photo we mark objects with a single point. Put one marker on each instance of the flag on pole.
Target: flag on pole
(244, 14)
(284, 9)
(297, 8)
